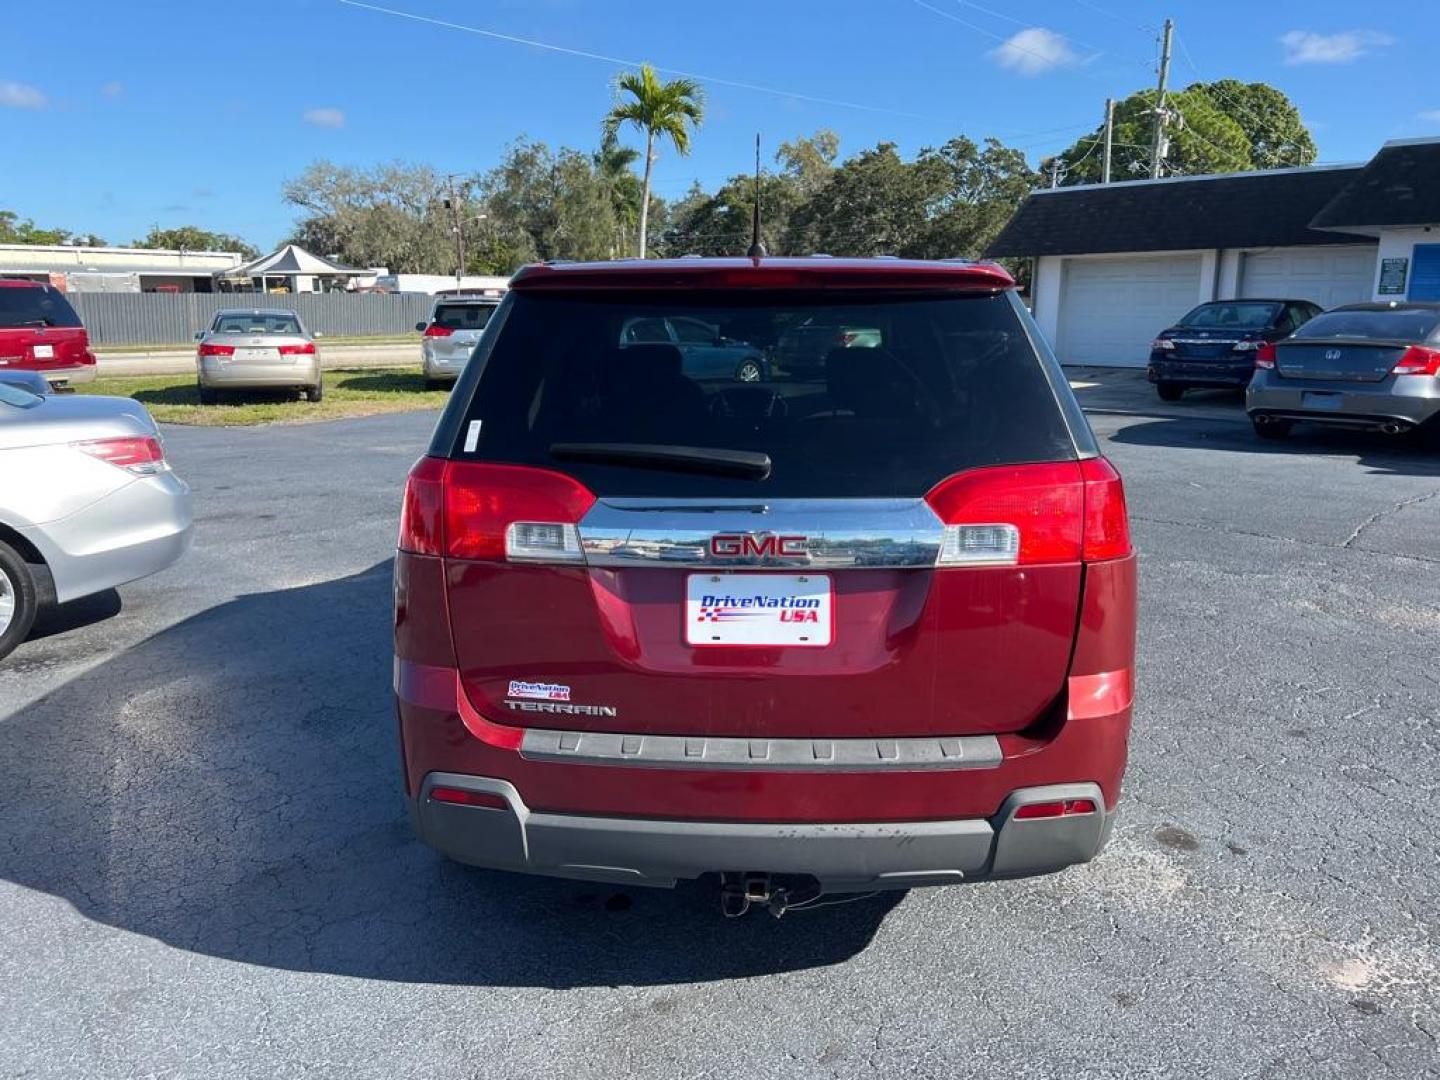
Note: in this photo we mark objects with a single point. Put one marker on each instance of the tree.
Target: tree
(874, 204)
(661, 110)
(975, 190)
(1218, 127)
(809, 163)
(547, 205)
(194, 238)
(612, 165)
(14, 230)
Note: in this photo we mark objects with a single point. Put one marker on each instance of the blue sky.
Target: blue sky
(170, 112)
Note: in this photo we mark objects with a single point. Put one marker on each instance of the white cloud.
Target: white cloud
(112, 89)
(1033, 51)
(14, 95)
(1431, 116)
(326, 118)
(1308, 47)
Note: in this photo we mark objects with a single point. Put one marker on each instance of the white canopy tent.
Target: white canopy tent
(291, 264)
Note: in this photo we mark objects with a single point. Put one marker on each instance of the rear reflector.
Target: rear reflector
(436, 330)
(470, 510)
(142, 455)
(1418, 360)
(1058, 808)
(461, 797)
(1265, 356)
(207, 349)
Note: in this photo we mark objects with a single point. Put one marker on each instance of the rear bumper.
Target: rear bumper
(1406, 399)
(1219, 373)
(842, 857)
(81, 373)
(134, 532)
(258, 376)
(437, 368)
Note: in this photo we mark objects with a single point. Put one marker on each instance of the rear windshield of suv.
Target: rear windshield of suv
(935, 385)
(463, 316)
(1402, 324)
(25, 306)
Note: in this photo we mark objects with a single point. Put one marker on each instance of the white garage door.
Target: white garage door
(1111, 309)
(1330, 276)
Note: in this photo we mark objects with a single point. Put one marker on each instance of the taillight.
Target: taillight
(423, 506)
(1418, 361)
(472, 510)
(141, 454)
(461, 797)
(209, 349)
(1265, 356)
(1161, 344)
(307, 349)
(1019, 515)
(1010, 514)
(1107, 522)
(436, 330)
(1058, 808)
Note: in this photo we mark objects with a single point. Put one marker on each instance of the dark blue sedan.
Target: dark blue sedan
(1215, 344)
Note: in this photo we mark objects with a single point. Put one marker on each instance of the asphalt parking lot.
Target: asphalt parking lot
(205, 870)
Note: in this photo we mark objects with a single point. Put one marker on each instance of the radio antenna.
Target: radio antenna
(757, 246)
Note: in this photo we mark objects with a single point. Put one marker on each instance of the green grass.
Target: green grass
(173, 399)
(189, 346)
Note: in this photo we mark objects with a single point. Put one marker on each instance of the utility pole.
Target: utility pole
(452, 203)
(1055, 172)
(1109, 140)
(1157, 144)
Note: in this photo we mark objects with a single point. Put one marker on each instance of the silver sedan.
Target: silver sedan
(88, 503)
(257, 349)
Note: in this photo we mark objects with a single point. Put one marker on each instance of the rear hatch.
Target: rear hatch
(456, 327)
(636, 551)
(39, 330)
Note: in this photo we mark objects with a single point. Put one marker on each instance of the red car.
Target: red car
(39, 331)
(861, 627)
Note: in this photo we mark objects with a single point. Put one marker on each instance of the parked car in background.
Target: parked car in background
(803, 346)
(27, 380)
(257, 349)
(456, 322)
(40, 331)
(1374, 366)
(1214, 345)
(868, 627)
(705, 352)
(88, 502)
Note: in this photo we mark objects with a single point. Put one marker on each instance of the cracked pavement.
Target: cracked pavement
(205, 870)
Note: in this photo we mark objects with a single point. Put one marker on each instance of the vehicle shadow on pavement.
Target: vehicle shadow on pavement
(1376, 452)
(231, 786)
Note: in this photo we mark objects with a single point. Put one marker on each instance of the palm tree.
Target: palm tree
(612, 166)
(669, 109)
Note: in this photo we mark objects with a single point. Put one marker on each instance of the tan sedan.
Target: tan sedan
(257, 349)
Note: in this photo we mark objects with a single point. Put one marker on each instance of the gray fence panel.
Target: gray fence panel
(173, 318)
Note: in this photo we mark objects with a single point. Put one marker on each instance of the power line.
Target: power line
(1032, 26)
(586, 55)
(1148, 29)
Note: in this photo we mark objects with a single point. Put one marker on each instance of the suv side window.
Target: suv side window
(693, 332)
(646, 331)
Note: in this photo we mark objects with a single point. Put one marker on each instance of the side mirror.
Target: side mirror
(419, 327)
(199, 334)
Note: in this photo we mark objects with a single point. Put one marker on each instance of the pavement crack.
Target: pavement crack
(1381, 515)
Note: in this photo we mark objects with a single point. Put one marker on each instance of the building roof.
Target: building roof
(1400, 186)
(1271, 208)
(292, 259)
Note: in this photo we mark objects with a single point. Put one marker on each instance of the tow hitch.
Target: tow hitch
(739, 891)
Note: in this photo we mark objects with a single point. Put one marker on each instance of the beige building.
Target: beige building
(116, 269)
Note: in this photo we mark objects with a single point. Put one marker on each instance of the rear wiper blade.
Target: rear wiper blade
(751, 464)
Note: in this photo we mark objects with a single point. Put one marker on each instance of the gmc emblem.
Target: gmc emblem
(758, 545)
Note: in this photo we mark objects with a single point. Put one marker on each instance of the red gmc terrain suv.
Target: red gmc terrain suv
(868, 620)
(39, 331)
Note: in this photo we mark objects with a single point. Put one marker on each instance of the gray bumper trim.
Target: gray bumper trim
(842, 857)
(791, 755)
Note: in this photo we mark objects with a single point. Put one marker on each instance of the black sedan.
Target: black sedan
(1215, 344)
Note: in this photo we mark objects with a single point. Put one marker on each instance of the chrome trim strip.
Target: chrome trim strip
(839, 533)
(784, 755)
